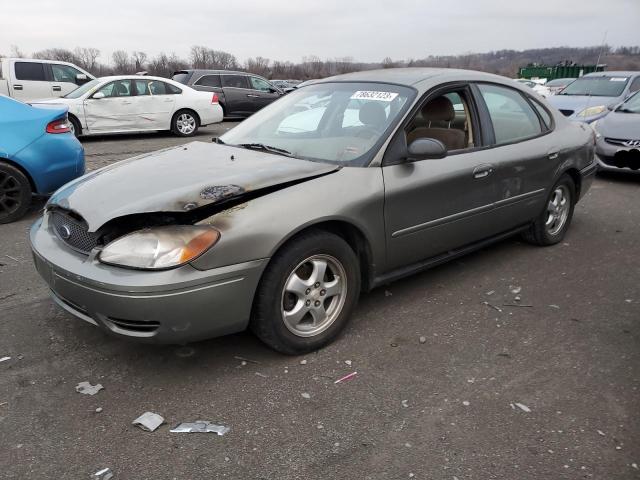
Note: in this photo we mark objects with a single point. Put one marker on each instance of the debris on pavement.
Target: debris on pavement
(99, 410)
(555, 306)
(305, 395)
(261, 375)
(634, 465)
(88, 389)
(303, 362)
(149, 421)
(387, 293)
(200, 426)
(405, 403)
(466, 403)
(247, 360)
(515, 289)
(346, 377)
(490, 292)
(493, 306)
(521, 305)
(601, 433)
(422, 339)
(4, 359)
(104, 474)
(348, 362)
(523, 407)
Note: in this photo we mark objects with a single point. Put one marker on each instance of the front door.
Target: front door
(65, 79)
(115, 112)
(262, 93)
(435, 206)
(238, 101)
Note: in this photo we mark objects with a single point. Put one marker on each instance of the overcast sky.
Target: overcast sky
(288, 30)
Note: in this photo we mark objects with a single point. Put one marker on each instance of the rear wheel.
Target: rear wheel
(185, 123)
(15, 193)
(552, 224)
(307, 293)
(75, 127)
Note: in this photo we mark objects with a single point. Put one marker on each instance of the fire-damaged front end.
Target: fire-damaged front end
(141, 248)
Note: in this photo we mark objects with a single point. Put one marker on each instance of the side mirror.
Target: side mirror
(98, 95)
(275, 90)
(81, 76)
(426, 148)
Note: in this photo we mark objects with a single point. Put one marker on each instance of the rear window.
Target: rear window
(209, 81)
(235, 81)
(180, 77)
(30, 71)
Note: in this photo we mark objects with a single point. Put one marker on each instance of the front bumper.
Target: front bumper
(615, 158)
(171, 306)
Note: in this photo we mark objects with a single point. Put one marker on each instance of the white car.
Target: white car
(536, 86)
(130, 103)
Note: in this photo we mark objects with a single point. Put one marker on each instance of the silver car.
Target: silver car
(618, 137)
(336, 188)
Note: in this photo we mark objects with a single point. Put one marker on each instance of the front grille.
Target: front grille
(623, 142)
(138, 326)
(73, 231)
(567, 113)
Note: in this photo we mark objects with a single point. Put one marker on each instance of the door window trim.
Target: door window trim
(489, 125)
(219, 75)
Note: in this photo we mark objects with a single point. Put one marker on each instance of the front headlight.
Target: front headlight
(591, 111)
(160, 247)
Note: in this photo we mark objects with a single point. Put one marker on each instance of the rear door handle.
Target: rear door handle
(553, 155)
(17, 87)
(482, 171)
(57, 88)
(253, 96)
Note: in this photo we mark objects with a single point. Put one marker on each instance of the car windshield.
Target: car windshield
(87, 87)
(330, 122)
(597, 86)
(631, 105)
(559, 82)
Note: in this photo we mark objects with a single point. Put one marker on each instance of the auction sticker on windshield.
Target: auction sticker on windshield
(618, 79)
(370, 95)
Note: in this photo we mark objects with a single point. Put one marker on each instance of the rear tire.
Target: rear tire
(552, 224)
(185, 123)
(76, 129)
(15, 193)
(307, 293)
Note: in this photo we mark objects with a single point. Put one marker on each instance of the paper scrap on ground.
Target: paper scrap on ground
(149, 421)
(200, 426)
(346, 377)
(88, 389)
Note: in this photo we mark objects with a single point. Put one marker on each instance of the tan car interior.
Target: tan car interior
(438, 119)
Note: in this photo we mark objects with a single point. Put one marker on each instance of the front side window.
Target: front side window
(30, 71)
(119, 88)
(64, 73)
(260, 84)
(209, 81)
(512, 117)
(631, 105)
(339, 123)
(142, 87)
(597, 86)
(235, 81)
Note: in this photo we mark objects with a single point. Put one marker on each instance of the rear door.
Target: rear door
(210, 82)
(29, 81)
(236, 94)
(526, 156)
(261, 92)
(438, 205)
(153, 104)
(115, 112)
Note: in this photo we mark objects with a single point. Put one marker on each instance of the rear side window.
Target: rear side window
(512, 117)
(235, 81)
(635, 85)
(180, 77)
(30, 71)
(209, 81)
(544, 114)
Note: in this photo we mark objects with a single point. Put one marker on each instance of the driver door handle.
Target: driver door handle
(253, 96)
(482, 171)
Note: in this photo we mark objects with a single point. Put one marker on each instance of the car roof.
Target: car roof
(133, 77)
(416, 76)
(618, 73)
(205, 70)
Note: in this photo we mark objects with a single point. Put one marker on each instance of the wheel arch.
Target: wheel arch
(577, 180)
(32, 183)
(78, 122)
(186, 109)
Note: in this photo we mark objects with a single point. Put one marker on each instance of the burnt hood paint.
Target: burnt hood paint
(179, 179)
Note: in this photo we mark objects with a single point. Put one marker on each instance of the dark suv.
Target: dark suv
(240, 94)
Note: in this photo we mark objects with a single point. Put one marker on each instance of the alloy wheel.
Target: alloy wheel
(558, 209)
(10, 193)
(186, 123)
(314, 295)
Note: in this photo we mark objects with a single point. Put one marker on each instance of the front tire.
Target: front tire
(15, 193)
(307, 293)
(185, 123)
(552, 224)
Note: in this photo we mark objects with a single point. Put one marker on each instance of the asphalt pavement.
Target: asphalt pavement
(545, 386)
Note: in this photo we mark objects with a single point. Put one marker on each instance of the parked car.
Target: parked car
(38, 154)
(539, 88)
(241, 94)
(130, 103)
(280, 228)
(28, 79)
(285, 85)
(556, 85)
(589, 98)
(618, 137)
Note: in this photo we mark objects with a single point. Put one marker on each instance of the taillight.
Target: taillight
(215, 98)
(59, 126)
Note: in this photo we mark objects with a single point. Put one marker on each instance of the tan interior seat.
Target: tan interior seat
(439, 110)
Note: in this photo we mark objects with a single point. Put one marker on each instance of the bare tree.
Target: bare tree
(121, 62)
(87, 58)
(139, 58)
(16, 52)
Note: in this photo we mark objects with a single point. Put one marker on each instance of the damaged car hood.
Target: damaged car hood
(179, 179)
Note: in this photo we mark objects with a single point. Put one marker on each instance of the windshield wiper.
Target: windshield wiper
(626, 110)
(266, 148)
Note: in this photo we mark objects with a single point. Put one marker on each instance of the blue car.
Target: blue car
(38, 154)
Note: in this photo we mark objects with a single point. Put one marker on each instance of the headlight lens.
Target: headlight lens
(160, 247)
(591, 111)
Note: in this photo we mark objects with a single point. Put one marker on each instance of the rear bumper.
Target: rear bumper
(172, 306)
